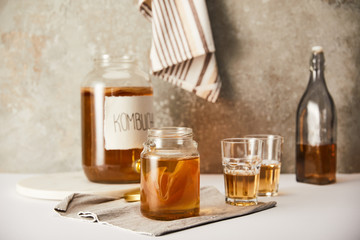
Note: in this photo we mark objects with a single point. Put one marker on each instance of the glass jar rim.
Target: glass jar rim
(107, 58)
(170, 132)
(241, 140)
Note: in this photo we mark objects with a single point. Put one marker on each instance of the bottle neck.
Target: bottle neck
(317, 76)
(317, 68)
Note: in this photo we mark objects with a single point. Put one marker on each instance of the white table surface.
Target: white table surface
(303, 211)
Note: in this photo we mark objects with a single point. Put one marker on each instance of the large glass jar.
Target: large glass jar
(116, 112)
(170, 174)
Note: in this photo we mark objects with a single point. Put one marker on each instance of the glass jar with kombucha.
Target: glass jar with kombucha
(116, 112)
(170, 174)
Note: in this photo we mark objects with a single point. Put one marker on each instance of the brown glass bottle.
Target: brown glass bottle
(114, 126)
(316, 128)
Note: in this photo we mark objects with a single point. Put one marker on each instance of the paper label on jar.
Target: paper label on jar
(126, 121)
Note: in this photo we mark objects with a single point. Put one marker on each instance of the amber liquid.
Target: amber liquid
(99, 164)
(269, 178)
(241, 189)
(316, 164)
(170, 188)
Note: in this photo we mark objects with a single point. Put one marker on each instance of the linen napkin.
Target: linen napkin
(182, 48)
(108, 210)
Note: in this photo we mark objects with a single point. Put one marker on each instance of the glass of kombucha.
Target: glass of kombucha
(241, 160)
(270, 165)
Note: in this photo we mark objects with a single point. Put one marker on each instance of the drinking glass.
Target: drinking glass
(241, 160)
(271, 164)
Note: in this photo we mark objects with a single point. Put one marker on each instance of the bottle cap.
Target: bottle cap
(317, 49)
(317, 59)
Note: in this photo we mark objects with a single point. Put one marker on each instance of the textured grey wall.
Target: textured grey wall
(263, 48)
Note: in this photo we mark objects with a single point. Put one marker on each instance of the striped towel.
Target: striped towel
(182, 48)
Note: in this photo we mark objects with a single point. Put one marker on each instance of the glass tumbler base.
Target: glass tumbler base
(240, 202)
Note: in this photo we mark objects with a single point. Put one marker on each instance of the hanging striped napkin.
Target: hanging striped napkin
(182, 48)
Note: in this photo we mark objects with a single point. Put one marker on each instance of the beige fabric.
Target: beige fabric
(126, 215)
(182, 48)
